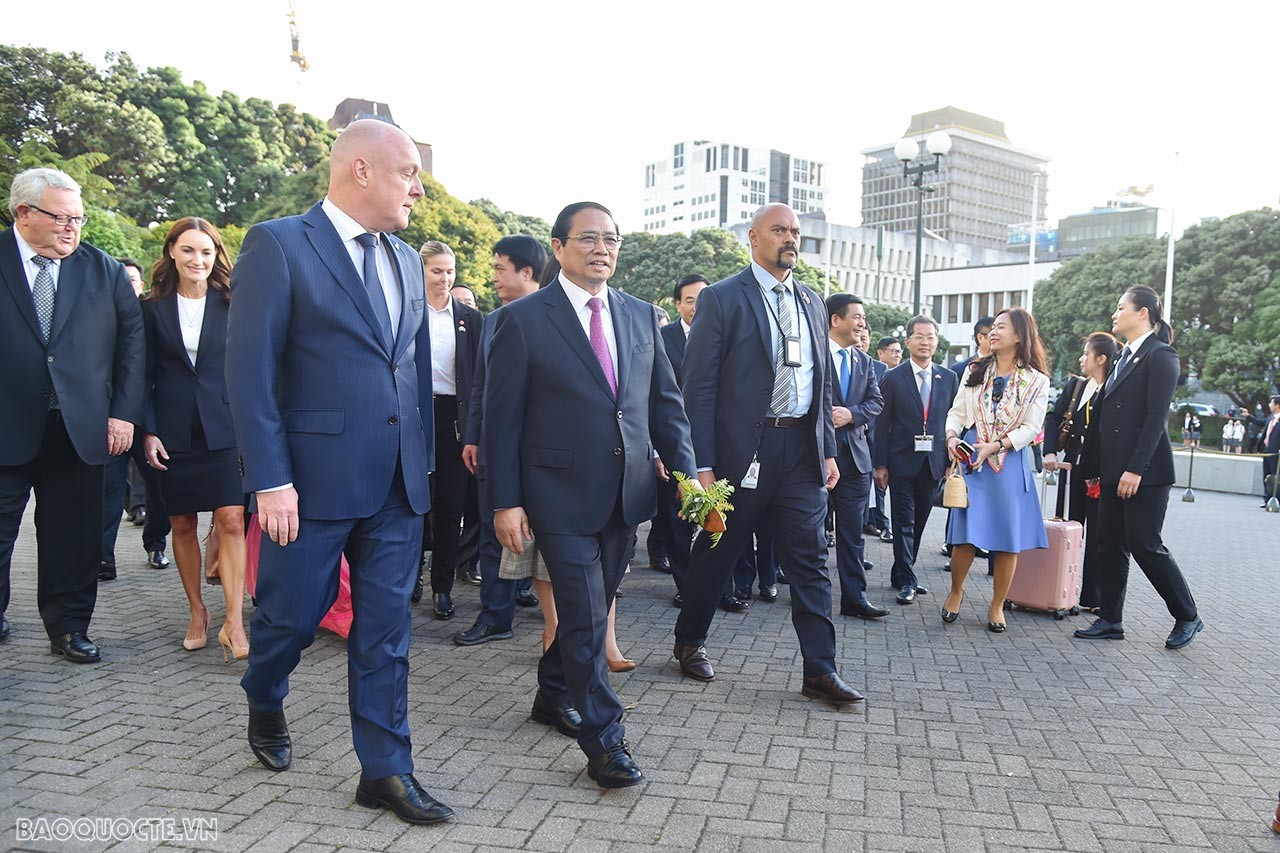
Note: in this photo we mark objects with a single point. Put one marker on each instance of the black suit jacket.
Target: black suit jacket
(1130, 430)
(567, 449)
(728, 375)
(468, 328)
(673, 338)
(1272, 446)
(903, 417)
(94, 359)
(178, 392)
(864, 403)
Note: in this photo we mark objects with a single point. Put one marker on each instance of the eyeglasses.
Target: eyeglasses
(61, 219)
(588, 241)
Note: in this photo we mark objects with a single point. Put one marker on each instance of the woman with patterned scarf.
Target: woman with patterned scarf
(999, 411)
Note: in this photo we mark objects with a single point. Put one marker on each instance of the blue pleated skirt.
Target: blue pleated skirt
(1004, 509)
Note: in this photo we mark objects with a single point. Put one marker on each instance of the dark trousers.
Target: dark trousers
(497, 595)
(68, 528)
(1084, 510)
(157, 525)
(876, 512)
(135, 487)
(792, 496)
(849, 501)
(912, 499)
(585, 571)
(1133, 527)
(469, 543)
(115, 476)
(298, 584)
(1269, 470)
(670, 535)
(758, 564)
(448, 496)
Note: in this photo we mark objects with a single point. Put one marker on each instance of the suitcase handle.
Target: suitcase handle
(1064, 489)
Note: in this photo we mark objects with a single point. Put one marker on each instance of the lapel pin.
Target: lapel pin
(805, 297)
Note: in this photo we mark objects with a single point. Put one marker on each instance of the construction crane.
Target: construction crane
(296, 56)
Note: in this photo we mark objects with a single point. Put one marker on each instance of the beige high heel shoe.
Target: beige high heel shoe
(231, 652)
(193, 643)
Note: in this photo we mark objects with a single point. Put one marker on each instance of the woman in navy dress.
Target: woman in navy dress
(999, 411)
(190, 435)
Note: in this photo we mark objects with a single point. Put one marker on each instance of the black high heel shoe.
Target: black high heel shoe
(996, 627)
(947, 615)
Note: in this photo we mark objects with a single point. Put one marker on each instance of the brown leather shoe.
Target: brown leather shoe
(1275, 822)
(694, 662)
(830, 687)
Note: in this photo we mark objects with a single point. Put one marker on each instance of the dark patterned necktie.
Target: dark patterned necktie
(42, 293)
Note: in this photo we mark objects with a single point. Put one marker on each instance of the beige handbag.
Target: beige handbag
(955, 494)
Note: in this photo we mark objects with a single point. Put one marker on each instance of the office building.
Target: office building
(957, 297)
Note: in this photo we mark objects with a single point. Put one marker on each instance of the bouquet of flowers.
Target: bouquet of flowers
(705, 507)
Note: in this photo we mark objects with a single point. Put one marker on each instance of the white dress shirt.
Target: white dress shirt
(444, 350)
(348, 229)
(836, 349)
(686, 327)
(802, 397)
(1134, 345)
(578, 299)
(191, 321)
(27, 253)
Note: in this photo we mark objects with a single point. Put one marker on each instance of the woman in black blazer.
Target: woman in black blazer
(1127, 450)
(1075, 409)
(190, 435)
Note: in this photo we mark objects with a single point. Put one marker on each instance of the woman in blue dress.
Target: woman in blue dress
(999, 411)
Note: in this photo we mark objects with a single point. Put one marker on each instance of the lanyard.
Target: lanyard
(773, 313)
(927, 402)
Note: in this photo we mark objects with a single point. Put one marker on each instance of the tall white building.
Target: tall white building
(877, 264)
(705, 184)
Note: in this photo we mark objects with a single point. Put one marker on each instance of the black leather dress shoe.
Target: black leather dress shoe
(782, 578)
(867, 565)
(1102, 630)
(526, 598)
(1184, 631)
(870, 529)
(886, 535)
(480, 633)
(733, 604)
(694, 662)
(4, 628)
(470, 576)
(269, 739)
(106, 571)
(907, 594)
(677, 600)
(404, 796)
(768, 593)
(831, 540)
(566, 719)
(661, 564)
(443, 608)
(614, 768)
(157, 560)
(417, 589)
(864, 609)
(138, 517)
(831, 688)
(75, 647)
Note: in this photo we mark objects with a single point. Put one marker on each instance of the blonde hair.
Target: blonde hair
(431, 248)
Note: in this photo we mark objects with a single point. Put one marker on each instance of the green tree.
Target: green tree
(650, 264)
(508, 222)
(464, 228)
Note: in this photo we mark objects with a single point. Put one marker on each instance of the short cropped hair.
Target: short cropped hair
(917, 320)
(29, 186)
(693, 278)
(523, 251)
(838, 304)
(886, 342)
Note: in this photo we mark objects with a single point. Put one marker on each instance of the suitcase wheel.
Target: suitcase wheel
(1008, 605)
(1075, 611)
(1059, 614)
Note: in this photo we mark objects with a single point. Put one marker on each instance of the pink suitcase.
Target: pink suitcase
(1049, 579)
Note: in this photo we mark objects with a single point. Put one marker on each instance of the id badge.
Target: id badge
(792, 352)
(924, 443)
(752, 478)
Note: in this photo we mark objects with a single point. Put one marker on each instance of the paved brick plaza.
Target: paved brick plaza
(968, 740)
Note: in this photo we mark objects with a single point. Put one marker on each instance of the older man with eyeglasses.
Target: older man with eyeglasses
(71, 368)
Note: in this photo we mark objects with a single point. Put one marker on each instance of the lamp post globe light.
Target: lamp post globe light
(938, 144)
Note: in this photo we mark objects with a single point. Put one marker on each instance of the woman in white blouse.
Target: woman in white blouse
(190, 437)
(998, 411)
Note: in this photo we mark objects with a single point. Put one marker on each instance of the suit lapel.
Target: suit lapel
(756, 300)
(560, 312)
(328, 245)
(403, 333)
(15, 278)
(70, 281)
(171, 326)
(1130, 366)
(624, 338)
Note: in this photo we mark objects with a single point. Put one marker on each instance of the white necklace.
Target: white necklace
(197, 308)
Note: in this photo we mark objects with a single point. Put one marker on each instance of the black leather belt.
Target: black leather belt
(445, 397)
(785, 423)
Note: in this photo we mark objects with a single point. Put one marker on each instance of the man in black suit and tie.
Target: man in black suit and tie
(71, 373)
(1127, 448)
(579, 395)
(757, 387)
(1271, 448)
(455, 339)
(856, 401)
(910, 447)
(670, 535)
(518, 260)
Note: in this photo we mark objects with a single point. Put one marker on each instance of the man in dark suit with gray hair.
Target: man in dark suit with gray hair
(71, 365)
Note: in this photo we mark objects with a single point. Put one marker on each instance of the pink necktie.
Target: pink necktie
(598, 345)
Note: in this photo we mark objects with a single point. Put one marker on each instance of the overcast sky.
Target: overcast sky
(535, 104)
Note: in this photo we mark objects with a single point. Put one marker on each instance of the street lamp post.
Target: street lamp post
(938, 144)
